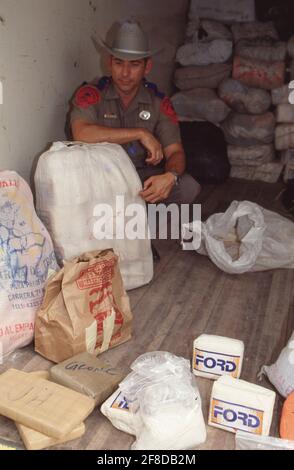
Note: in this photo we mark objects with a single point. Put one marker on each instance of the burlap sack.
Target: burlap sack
(85, 308)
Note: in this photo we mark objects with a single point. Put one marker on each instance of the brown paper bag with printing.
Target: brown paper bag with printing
(85, 308)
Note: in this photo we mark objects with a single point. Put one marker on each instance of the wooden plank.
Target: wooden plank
(189, 296)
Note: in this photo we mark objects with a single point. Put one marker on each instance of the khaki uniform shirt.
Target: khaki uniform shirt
(100, 103)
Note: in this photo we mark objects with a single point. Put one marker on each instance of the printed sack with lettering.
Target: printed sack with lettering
(26, 257)
(85, 308)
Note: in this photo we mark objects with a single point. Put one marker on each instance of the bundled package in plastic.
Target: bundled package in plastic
(246, 441)
(27, 258)
(281, 373)
(163, 392)
(200, 104)
(201, 76)
(226, 11)
(117, 410)
(244, 99)
(246, 238)
(85, 196)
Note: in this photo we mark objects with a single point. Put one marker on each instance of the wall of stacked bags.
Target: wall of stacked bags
(235, 74)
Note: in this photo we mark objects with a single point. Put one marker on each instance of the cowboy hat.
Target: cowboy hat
(130, 43)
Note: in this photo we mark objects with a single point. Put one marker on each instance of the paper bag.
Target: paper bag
(85, 308)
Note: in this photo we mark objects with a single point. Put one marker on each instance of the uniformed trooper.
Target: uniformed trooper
(128, 110)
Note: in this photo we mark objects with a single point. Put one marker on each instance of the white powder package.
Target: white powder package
(239, 405)
(163, 393)
(214, 356)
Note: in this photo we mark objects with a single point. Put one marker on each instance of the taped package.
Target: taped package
(86, 374)
(214, 356)
(44, 406)
(239, 405)
(117, 410)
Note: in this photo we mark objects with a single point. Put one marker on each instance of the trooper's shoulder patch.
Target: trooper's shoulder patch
(87, 95)
(168, 110)
(153, 87)
(103, 83)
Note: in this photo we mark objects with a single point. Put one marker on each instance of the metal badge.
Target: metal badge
(145, 115)
(110, 116)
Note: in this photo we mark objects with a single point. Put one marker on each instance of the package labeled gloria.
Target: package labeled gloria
(88, 375)
(162, 392)
(239, 405)
(85, 308)
(214, 356)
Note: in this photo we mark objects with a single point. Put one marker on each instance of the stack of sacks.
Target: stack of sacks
(204, 64)
(205, 58)
(290, 50)
(283, 98)
(259, 66)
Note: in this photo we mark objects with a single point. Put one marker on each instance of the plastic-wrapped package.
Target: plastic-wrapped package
(244, 99)
(281, 373)
(201, 76)
(162, 391)
(226, 11)
(264, 48)
(200, 104)
(259, 73)
(254, 30)
(252, 156)
(117, 410)
(246, 441)
(72, 208)
(281, 95)
(246, 129)
(284, 136)
(198, 52)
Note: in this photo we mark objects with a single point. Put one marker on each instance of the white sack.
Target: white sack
(281, 373)
(247, 237)
(71, 179)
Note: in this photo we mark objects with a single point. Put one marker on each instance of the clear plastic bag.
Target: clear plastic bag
(247, 238)
(159, 362)
(246, 441)
(164, 393)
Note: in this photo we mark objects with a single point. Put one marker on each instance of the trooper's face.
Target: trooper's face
(127, 75)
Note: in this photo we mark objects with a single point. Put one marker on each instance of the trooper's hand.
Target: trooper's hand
(157, 188)
(153, 146)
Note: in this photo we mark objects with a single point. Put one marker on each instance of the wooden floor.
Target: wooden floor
(187, 297)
